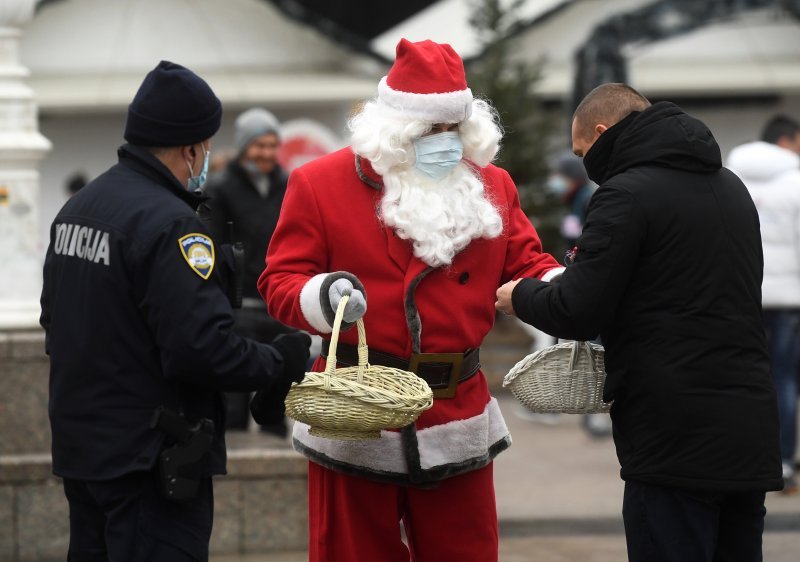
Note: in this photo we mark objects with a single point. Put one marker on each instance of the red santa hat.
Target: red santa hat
(426, 83)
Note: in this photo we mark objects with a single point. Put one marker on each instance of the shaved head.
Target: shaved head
(602, 108)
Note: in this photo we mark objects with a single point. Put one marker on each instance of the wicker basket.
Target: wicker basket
(565, 378)
(357, 402)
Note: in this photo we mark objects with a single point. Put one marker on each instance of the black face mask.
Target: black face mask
(597, 157)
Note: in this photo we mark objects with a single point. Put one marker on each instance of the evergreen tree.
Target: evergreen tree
(510, 85)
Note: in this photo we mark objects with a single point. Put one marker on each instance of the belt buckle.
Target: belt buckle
(455, 360)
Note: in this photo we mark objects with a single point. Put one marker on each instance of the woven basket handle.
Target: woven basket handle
(577, 346)
(363, 350)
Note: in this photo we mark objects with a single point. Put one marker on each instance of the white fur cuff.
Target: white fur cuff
(556, 271)
(310, 305)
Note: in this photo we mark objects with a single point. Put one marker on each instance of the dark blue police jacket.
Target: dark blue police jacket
(135, 318)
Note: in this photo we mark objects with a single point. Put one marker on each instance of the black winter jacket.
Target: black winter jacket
(668, 272)
(231, 196)
(131, 325)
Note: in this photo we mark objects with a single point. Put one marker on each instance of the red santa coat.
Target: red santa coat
(329, 223)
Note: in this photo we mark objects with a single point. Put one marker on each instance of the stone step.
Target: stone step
(260, 506)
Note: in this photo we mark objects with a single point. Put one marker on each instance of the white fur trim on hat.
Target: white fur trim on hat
(447, 107)
(310, 305)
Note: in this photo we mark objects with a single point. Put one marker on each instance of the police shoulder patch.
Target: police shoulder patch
(198, 251)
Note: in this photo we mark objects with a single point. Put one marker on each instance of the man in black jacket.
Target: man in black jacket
(668, 273)
(137, 322)
(243, 204)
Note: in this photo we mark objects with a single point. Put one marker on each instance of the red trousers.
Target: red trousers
(353, 519)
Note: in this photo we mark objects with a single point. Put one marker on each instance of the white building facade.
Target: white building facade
(87, 58)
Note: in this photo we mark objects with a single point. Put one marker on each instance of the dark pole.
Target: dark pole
(600, 59)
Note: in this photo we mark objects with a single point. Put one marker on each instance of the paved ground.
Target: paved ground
(559, 499)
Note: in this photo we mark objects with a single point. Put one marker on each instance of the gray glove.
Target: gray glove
(356, 307)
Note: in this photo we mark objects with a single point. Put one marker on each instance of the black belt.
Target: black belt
(442, 371)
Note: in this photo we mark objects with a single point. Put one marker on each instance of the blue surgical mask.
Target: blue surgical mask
(438, 154)
(196, 182)
(557, 185)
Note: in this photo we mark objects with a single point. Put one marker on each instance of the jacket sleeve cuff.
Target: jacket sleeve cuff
(553, 273)
(315, 302)
(521, 298)
(310, 304)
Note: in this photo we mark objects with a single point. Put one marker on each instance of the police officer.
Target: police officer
(138, 329)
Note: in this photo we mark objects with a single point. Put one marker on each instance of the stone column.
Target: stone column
(22, 147)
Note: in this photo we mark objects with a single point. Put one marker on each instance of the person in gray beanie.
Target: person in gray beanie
(249, 193)
(139, 333)
(252, 124)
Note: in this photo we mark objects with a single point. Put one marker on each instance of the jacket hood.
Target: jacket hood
(663, 135)
(762, 161)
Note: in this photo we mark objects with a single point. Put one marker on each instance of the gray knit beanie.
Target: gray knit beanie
(251, 124)
(571, 166)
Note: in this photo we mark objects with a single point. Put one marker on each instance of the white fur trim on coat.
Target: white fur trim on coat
(310, 305)
(461, 440)
(446, 107)
(382, 455)
(555, 272)
(453, 443)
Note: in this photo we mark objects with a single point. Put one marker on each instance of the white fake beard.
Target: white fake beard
(439, 217)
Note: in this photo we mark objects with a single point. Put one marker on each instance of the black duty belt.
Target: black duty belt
(442, 371)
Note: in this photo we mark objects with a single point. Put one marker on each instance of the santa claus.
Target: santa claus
(413, 218)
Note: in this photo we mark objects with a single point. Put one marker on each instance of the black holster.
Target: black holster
(180, 464)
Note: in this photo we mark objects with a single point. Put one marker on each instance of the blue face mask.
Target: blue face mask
(557, 185)
(196, 182)
(438, 154)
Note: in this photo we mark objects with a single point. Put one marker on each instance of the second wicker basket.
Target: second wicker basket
(565, 378)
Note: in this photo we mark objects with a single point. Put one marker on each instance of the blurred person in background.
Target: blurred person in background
(75, 183)
(139, 334)
(414, 219)
(572, 185)
(668, 273)
(569, 182)
(770, 168)
(248, 193)
(219, 161)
